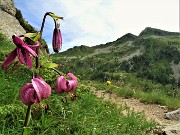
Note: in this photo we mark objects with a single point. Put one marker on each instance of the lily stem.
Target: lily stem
(37, 50)
(57, 71)
(28, 112)
(27, 116)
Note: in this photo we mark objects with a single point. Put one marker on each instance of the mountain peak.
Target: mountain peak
(125, 38)
(148, 31)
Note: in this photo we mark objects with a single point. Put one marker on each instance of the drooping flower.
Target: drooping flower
(62, 84)
(35, 91)
(22, 51)
(57, 38)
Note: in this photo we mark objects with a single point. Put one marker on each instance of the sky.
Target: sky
(94, 22)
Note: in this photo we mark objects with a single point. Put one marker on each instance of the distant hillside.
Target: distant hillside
(157, 32)
(154, 55)
(77, 51)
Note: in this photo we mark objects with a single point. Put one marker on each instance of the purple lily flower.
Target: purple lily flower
(57, 38)
(22, 51)
(35, 91)
(66, 85)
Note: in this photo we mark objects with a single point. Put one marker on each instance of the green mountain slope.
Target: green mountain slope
(153, 55)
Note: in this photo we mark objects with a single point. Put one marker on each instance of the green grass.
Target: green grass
(86, 115)
(145, 91)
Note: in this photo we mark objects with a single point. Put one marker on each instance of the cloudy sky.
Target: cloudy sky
(93, 22)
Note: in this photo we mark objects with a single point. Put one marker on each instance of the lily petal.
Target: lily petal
(9, 59)
(32, 96)
(17, 40)
(28, 60)
(23, 94)
(46, 92)
(74, 79)
(66, 85)
(70, 86)
(42, 89)
(33, 47)
(60, 85)
(28, 49)
(20, 55)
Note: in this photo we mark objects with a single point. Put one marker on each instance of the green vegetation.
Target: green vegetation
(142, 62)
(139, 67)
(85, 115)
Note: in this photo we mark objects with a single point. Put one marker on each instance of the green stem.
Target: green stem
(27, 116)
(28, 112)
(57, 71)
(37, 50)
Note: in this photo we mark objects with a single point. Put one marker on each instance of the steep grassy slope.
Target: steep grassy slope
(85, 115)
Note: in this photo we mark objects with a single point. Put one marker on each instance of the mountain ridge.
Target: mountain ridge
(148, 31)
(154, 55)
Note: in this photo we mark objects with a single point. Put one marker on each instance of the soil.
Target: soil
(152, 112)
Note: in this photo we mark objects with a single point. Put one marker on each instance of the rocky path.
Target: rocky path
(152, 112)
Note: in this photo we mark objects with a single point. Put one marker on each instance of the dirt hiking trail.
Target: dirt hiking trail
(152, 112)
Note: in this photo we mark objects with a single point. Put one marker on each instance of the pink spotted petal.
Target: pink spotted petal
(29, 50)
(70, 86)
(23, 94)
(33, 47)
(74, 79)
(42, 89)
(20, 55)
(60, 85)
(46, 92)
(28, 60)
(17, 40)
(31, 95)
(9, 59)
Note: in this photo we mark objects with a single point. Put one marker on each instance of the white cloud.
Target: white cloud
(99, 21)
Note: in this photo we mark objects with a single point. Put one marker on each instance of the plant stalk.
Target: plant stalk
(37, 50)
(57, 71)
(28, 112)
(27, 116)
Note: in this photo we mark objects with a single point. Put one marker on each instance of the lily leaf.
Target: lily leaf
(50, 65)
(37, 38)
(55, 16)
(30, 35)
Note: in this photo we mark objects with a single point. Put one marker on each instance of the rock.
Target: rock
(8, 6)
(172, 130)
(174, 115)
(9, 25)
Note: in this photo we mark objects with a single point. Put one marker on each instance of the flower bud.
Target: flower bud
(57, 40)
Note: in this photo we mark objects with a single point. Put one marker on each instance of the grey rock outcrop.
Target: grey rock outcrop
(9, 25)
(8, 6)
(174, 115)
(172, 130)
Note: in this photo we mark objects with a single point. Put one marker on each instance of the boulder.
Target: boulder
(9, 25)
(8, 6)
(172, 130)
(174, 115)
